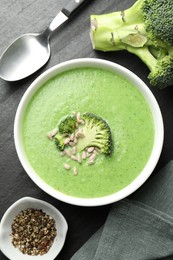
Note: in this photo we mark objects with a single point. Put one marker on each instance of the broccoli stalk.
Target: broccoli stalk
(111, 32)
(143, 29)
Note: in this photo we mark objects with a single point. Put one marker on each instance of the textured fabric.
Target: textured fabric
(88, 250)
(139, 228)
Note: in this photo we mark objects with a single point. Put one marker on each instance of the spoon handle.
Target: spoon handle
(72, 6)
(62, 16)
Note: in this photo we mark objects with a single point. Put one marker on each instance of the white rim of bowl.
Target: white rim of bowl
(153, 105)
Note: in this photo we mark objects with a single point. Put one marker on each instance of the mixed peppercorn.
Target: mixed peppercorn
(33, 232)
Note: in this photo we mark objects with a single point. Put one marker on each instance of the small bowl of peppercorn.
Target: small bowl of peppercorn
(32, 229)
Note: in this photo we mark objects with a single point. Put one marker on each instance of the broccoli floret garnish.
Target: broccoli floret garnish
(59, 141)
(82, 138)
(96, 133)
(87, 131)
(144, 30)
(67, 125)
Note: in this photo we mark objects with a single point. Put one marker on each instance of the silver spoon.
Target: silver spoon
(30, 52)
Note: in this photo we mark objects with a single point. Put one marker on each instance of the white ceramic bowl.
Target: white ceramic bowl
(6, 245)
(157, 118)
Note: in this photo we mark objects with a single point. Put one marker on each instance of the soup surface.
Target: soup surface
(102, 93)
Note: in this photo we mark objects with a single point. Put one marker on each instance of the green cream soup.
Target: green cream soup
(102, 93)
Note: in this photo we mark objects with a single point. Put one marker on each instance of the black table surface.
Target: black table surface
(70, 41)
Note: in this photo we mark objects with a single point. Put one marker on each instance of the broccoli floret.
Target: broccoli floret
(143, 29)
(96, 133)
(59, 141)
(160, 64)
(162, 74)
(67, 125)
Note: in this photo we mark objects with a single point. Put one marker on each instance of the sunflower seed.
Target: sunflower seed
(78, 116)
(52, 133)
(75, 140)
(88, 154)
(67, 140)
(79, 134)
(62, 153)
(90, 162)
(72, 144)
(81, 121)
(66, 166)
(67, 152)
(79, 158)
(73, 150)
(49, 135)
(75, 171)
(93, 156)
(90, 149)
(84, 155)
(73, 157)
(72, 137)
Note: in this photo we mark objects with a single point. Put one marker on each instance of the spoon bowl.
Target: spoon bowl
(24, 56)
(30, 52)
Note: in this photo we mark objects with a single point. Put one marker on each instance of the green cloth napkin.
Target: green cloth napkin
(139, 228)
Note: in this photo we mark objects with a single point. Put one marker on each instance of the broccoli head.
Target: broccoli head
(146, 27)
(158, 22)
(96, 133)
(162, 74)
